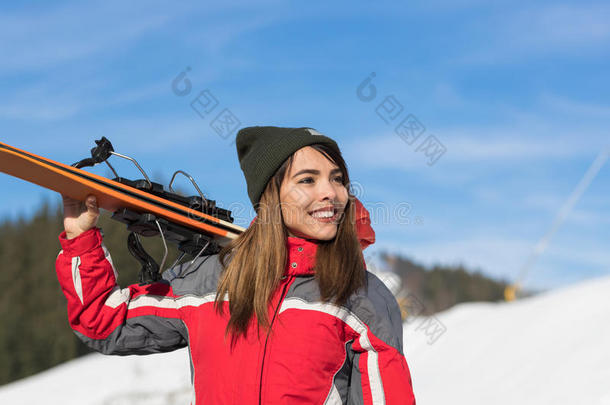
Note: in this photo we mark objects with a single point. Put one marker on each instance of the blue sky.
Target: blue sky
(516, 93)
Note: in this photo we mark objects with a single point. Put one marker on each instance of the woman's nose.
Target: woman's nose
(327, 190)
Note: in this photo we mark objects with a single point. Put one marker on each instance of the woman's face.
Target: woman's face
(312, 196)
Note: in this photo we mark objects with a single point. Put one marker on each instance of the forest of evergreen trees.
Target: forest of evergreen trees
(441, 287)
(34, 331)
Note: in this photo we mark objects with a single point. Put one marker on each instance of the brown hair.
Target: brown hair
(257, 258)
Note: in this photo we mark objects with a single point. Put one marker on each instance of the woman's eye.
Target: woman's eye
(310, 179)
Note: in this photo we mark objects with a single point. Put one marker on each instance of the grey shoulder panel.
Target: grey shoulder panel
(377, 307)
(305, 288)
(141, 335)
(374, 305)
(199, 277)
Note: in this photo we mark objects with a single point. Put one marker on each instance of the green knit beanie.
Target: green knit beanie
(262, 150)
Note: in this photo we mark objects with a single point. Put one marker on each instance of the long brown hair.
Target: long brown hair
(254, 263)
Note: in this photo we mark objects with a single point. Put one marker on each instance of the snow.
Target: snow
(547, 349)
(95, 379)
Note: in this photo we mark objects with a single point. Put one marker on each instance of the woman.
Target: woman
(285, 314)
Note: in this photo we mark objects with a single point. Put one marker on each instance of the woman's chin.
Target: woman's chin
(318, 234)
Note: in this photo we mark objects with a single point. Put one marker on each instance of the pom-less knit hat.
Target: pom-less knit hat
(262, 150)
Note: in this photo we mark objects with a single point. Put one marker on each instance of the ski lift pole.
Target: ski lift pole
(511, 291)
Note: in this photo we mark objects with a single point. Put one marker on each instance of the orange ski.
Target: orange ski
(146, 207)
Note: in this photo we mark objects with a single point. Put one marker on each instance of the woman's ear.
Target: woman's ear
(366, 234)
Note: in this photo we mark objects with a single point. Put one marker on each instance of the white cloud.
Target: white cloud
(574, 108)
(562, 26)
(216, 34)
(49, 38)
(38, 111)
(540, 31)
(492, 146)
(585, 217)
(47, 101)
(54, 53)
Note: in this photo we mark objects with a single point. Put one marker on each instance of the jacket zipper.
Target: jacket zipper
(279, 304)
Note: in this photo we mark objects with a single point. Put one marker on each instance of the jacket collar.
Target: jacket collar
(301, 254)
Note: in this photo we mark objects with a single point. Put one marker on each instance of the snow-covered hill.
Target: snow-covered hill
(95, 379)
(553, 348)
(550, 349)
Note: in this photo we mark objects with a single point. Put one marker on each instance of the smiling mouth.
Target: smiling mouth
(326, 216)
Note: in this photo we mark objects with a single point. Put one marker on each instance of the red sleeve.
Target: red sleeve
(380, 365)
(137, 319)
(393, 382)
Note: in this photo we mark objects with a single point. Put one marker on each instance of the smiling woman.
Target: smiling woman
(313, 200)
(284, 314)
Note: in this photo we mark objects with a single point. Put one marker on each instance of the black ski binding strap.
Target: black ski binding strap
(150, 269)
(99, 154)
(187, 240)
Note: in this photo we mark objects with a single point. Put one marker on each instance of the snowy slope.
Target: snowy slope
(550, 349)
(160, 379)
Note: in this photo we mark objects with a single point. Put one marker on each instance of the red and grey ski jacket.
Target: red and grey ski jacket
(316, 353)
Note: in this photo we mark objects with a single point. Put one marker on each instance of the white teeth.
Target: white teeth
(322, 214)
